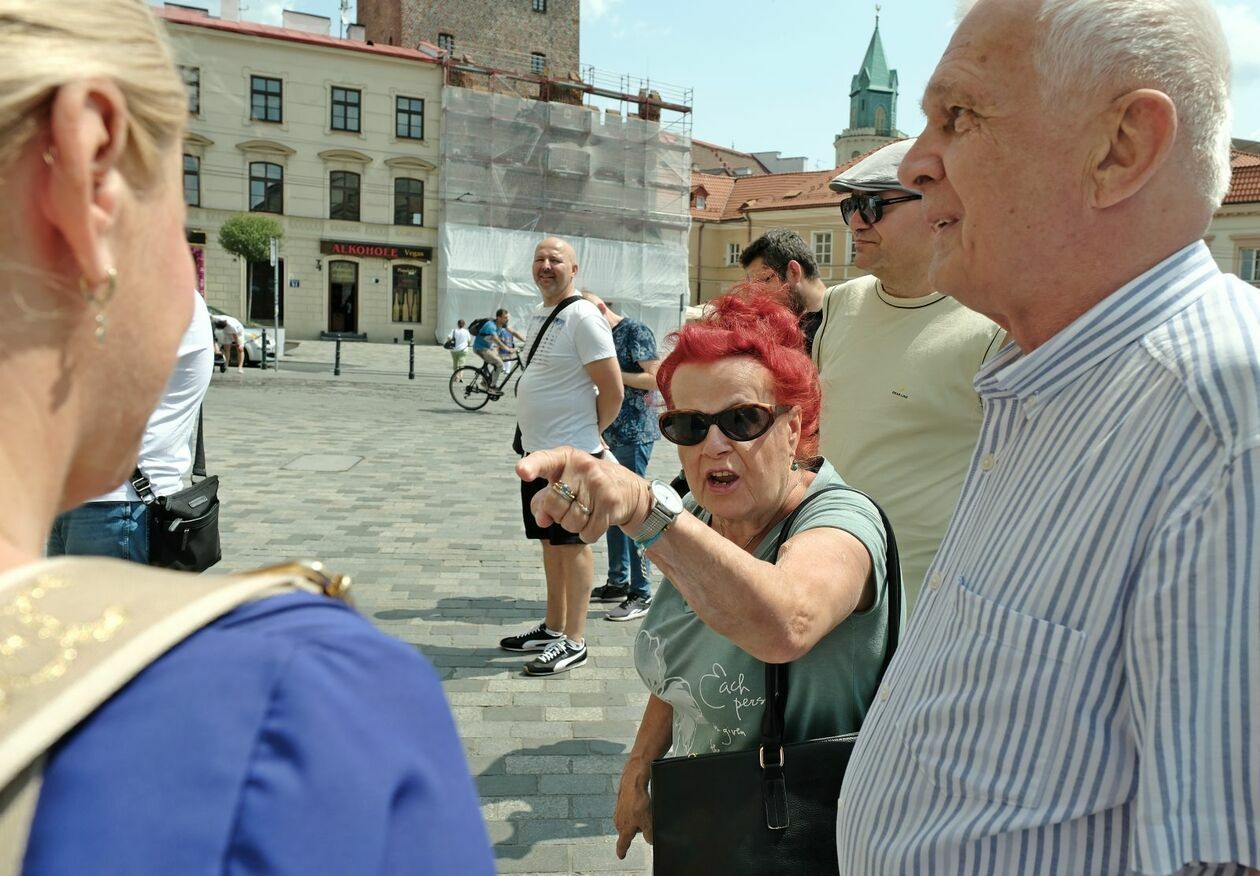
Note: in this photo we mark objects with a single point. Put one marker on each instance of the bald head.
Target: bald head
(555, 267)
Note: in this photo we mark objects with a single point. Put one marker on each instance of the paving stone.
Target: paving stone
(442, 569)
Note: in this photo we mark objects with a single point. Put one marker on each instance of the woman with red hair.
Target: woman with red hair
(742, 404)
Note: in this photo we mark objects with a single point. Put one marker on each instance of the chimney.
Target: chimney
(320, 25)
(230, 10)
(356, 33)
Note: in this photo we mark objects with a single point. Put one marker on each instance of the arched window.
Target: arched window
(881, 120)
(343, 195)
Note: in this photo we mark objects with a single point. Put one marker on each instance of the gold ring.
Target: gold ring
(578, 504)
(564, 491)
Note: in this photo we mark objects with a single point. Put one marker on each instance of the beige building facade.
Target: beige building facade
(1234, 235)
(338, 142)
(728, 214)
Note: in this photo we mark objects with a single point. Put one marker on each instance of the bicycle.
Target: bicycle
(471, 386)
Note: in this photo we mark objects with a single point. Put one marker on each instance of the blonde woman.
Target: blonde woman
(287, 736)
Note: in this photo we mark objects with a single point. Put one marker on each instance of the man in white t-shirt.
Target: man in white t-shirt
(896, 359)
(116, 524)
(231, 334)
(570, 393)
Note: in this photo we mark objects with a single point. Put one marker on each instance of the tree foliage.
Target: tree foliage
(248, 236)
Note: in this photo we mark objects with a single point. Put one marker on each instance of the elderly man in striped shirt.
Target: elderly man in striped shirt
(1078, 691)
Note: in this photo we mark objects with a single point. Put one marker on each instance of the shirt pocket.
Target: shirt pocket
(988, 718)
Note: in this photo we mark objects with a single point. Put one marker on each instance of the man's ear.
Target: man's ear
(794, 273)
(83, 188)
(1140, 130)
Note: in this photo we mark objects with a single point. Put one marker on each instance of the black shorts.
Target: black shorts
(555, 533)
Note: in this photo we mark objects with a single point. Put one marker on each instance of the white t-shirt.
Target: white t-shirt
(462, 339)
(166, 451)
(233, 327)
(556, 397)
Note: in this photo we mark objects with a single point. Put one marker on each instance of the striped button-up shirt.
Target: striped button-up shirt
(1077, 692)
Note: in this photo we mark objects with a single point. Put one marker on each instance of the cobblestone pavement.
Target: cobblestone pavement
(426, 517)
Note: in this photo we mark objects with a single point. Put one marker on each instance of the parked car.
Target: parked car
(253, 338)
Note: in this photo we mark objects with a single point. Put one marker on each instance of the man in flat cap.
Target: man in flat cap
(896, 359)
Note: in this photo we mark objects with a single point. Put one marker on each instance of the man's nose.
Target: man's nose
(921, 165)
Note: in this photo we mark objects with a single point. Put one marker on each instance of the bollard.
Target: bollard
(263, 364)
(411, 359)
(337, 360)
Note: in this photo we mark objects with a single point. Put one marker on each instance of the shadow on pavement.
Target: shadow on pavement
(536, 823)
(477, 609)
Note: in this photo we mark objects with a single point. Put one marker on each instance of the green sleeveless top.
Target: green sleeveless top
(717, 690)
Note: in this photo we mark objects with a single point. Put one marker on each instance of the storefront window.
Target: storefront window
(406, 301)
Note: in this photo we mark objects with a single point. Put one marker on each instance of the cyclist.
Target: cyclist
(487, 345)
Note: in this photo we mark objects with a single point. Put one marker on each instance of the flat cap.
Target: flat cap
(876, 172)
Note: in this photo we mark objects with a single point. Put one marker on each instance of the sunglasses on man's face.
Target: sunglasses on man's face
(869, 207)
(740, 423)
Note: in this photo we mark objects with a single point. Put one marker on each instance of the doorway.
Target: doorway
(343, 297)
(262, 290)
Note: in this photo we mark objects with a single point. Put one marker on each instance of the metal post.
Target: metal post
(275, 301)
(337, 361)
(411, 359)
(263, 363)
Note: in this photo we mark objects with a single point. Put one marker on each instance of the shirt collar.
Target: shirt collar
(1125, 315)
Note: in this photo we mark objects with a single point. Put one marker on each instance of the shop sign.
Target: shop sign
(367, 249)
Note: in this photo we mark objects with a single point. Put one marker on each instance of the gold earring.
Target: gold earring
(99, 299)
(50, 156)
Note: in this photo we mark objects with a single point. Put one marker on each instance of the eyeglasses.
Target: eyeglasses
(870, 207)
(740, 423)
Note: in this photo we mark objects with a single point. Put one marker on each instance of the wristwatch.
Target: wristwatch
(666, 506)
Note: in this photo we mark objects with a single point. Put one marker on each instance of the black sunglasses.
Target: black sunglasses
(740, 423)
(871, 207)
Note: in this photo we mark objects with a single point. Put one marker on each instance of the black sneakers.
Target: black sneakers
(536, 639)
(610, 593)
(560, 656)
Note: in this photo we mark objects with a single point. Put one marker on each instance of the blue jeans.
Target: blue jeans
(102, 529)
(627, 566)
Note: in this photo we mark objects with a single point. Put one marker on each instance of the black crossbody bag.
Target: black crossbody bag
(533, 348)
(184, 526)
(771, 809)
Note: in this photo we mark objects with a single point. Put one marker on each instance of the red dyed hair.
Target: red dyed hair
(753, 320)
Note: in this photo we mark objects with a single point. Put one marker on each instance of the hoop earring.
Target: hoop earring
(99, 299)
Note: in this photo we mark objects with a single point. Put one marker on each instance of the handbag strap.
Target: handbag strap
(141, 484)
(110, 619)
(773, 720)
(533, 348)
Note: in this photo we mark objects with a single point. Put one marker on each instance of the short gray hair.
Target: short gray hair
(1175, 46)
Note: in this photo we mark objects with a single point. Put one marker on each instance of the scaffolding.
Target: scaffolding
(529, 156)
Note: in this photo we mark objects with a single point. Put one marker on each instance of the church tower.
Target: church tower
(872, 104)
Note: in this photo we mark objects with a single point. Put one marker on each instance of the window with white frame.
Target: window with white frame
(192, 180)
(446, 42)
(852, 250)
(346, 104)
(540, 5)
(1249, 264)
(537, 62)
(732, 253)
(822, 247)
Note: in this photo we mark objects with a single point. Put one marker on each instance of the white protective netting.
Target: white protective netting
(515, 171)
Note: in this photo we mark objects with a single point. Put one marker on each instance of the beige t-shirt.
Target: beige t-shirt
(900, 417)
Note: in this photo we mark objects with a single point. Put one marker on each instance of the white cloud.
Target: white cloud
(593, 9)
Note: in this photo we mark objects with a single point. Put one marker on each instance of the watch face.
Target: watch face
(667, 497)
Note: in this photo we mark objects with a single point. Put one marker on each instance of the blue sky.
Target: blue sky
(775, 76)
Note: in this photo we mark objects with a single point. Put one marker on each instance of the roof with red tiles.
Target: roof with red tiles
(1244, 182)
(180, 15)
(711, 158)
(732, 198)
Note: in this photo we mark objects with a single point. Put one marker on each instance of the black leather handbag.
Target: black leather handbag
(184, 526)
(767, 810)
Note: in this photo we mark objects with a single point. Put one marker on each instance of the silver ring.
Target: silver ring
(577, 503)
(564, 491)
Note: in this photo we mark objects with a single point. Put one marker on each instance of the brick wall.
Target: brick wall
(509, 25)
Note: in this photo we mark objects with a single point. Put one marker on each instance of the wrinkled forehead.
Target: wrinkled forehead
(989, 54)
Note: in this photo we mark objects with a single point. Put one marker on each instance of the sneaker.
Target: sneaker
(610, 593)
(536, 639)
(560, 656)
(633, 607)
